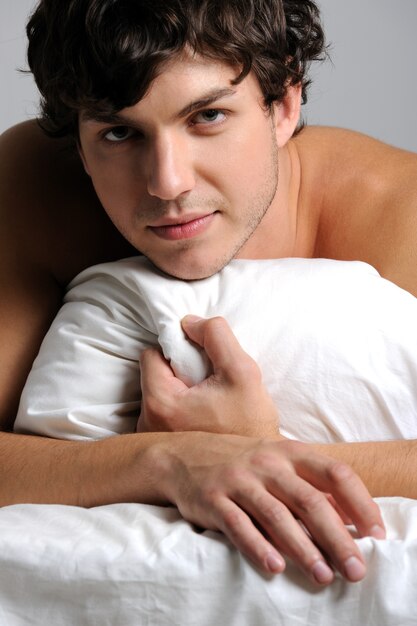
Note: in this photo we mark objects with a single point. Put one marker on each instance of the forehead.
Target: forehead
(187, 77)
(195, 67)
(187, 82)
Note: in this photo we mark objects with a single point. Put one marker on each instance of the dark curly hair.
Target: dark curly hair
(100, 56)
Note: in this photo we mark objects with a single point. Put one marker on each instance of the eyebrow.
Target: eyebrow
(206, 101)
(122, 119)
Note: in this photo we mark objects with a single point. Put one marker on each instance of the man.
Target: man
(189, 157)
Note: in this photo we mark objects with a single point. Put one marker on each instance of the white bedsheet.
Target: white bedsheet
(138, 565)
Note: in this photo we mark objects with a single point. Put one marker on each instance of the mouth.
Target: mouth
(184, 228)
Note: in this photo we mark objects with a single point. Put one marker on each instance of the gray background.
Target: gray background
(370, 85)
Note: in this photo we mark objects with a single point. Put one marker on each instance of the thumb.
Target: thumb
(220, 344)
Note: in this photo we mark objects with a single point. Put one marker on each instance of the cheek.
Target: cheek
(227, 163)
(116, 185)
(113, 173)
(249, 164)
(247, 151)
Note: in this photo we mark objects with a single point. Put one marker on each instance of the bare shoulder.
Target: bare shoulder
(48, 208)
(51, 227)
(367, 200)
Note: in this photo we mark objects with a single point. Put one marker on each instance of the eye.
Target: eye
(210, 116)
(119, 134)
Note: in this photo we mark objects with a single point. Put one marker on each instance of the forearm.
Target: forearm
(388, 468)
(117, 469)
(219, 482)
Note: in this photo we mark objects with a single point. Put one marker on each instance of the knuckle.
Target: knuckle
(248, 370)
(216, 324)
(232, 520)
(339, 472)
(274, 514)
(265, 461)
(308, 500)
(236, 477)
(210, 497)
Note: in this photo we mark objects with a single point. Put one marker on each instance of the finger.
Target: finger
(286, 534)
(323, 523)
(221, 346)
(243, 534)
(345, 519)
(348, 491)
(156, 374)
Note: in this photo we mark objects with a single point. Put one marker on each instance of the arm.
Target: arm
(388, 468)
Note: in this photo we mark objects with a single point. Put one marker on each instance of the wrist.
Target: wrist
(161, 463)
(129, 468)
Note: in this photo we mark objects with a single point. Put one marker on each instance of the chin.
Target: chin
(189, 270)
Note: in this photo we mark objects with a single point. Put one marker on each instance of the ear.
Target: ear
(287, 114)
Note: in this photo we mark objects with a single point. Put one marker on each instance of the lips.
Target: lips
(183, 230)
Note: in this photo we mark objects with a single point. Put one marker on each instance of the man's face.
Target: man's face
(188, 173)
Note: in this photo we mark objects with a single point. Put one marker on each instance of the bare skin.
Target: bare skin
(357, 199)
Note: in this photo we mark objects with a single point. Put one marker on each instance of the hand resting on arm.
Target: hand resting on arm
(272, 482)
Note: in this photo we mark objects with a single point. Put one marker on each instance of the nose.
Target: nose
(170, 169)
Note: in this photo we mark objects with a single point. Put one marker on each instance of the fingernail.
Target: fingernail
(274, 563)
(322, 572)
(377, 532)
(354, 569)
(190, 319)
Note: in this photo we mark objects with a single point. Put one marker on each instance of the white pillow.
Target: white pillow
(337, 345)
